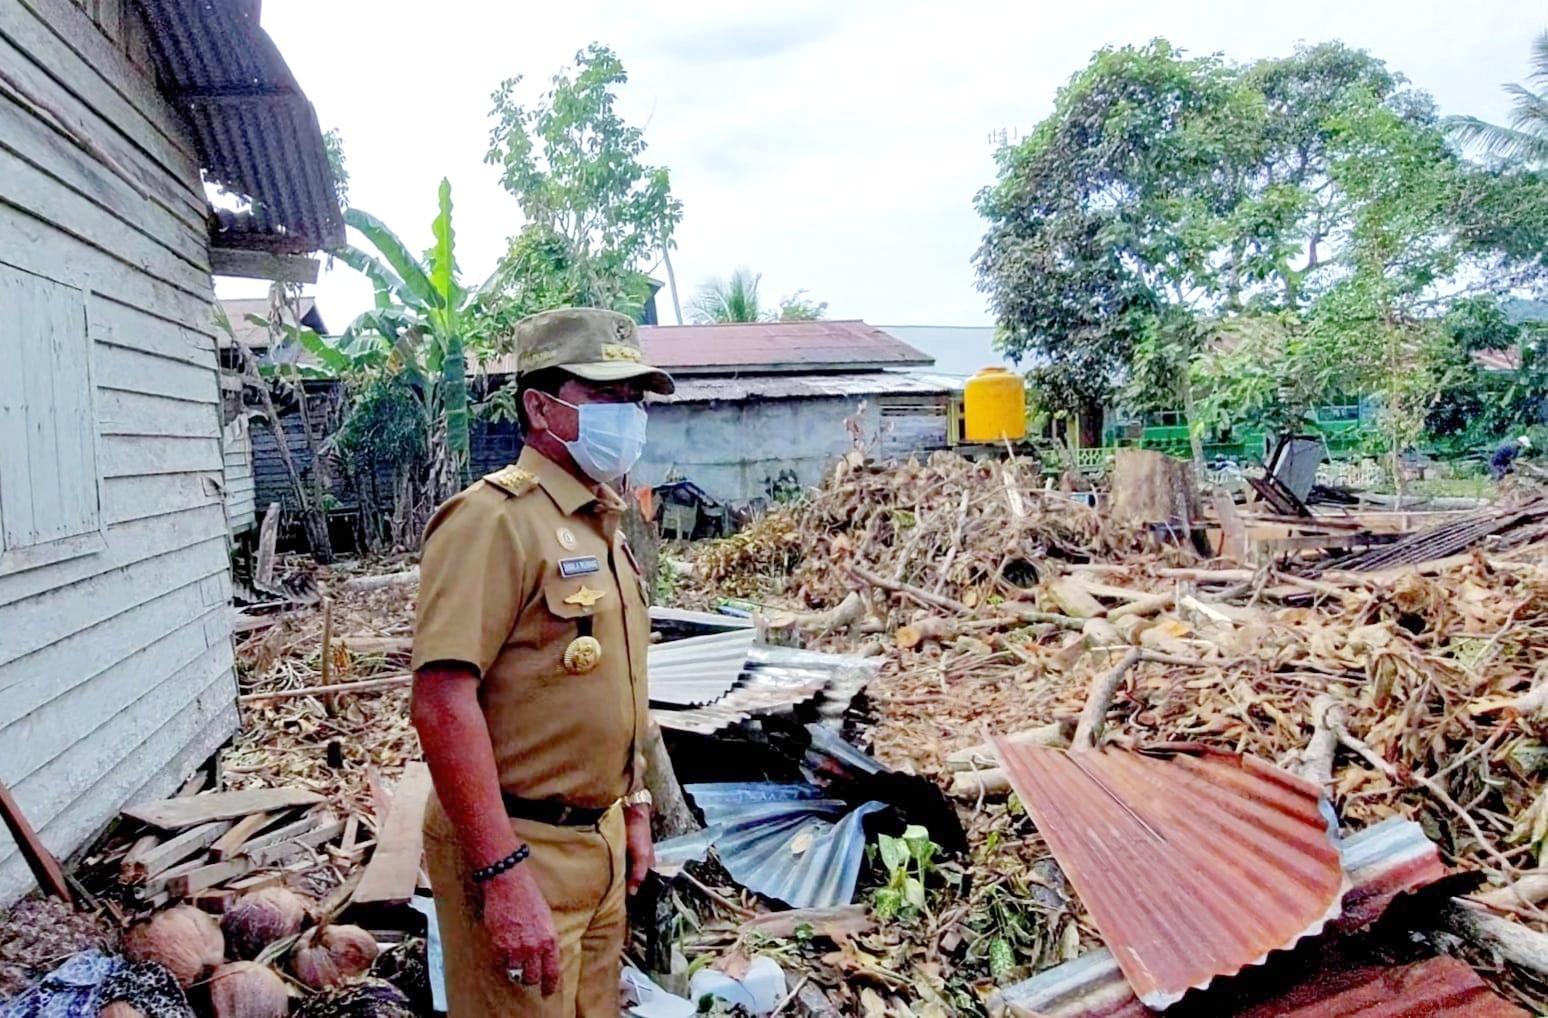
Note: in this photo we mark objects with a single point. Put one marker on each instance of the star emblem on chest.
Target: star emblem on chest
(585, 597)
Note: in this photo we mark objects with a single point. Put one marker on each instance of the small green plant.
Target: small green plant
(908, 860)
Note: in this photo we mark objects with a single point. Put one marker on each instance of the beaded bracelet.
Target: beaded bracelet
(494, 869)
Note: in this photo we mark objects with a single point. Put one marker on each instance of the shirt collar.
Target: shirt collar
(569, 493)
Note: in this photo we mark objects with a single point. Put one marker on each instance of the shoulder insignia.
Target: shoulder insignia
(512, 480)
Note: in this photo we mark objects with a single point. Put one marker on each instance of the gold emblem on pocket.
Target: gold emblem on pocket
(585, 597)
(582, 655)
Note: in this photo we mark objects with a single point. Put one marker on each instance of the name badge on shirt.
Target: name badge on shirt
(570, 568)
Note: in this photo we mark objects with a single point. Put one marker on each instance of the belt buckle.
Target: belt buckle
(564, 815)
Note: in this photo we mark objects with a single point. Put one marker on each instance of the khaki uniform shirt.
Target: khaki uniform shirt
(517, 571)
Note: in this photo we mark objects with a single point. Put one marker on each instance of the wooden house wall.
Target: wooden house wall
(116, 672)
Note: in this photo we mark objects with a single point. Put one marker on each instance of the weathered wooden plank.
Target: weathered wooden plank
(138, 413)
(48, 720)
(232, 841)
(52, 617)
(37, 246)
(30, 189)
(58, 155)
(175, 814)
(45, 867)
(177, 850)
(120, 325)
(142, 455)
(325, 829)
(207, 876)
(157, 136)
(153, 750)
(133, 371)
(127, 501)
(393, 872)
(238, 264)
(166, 521)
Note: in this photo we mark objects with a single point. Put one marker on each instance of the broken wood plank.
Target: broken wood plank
(268, 535)
(393, 872)
(155, 890)
(230, 843)
(207, 876)
(325, 831)
(295, 828)
(134, 855)
(175, 814)
(242, 622)
(194, 785)
(257, 882)
(1234, 541)
(169, 854)
(1074, 600)
(378, 644)
(45, 868)
(351, 831)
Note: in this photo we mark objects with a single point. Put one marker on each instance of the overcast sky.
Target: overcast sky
(832, 145)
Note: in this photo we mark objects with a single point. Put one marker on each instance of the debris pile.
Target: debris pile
(1406, 690)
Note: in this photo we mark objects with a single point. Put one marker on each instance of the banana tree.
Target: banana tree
(419, 327)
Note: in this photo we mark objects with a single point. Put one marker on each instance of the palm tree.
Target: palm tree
(1525, 141)
(722, 301)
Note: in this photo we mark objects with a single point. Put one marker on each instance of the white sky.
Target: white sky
(834, 146)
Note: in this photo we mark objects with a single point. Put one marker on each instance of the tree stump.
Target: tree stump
(1151, 487)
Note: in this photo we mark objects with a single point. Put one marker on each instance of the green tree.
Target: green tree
(732, 299)
(1524, 142)
(420, 328)
(798, 307)
(595, 212)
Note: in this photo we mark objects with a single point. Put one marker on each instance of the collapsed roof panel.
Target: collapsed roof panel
(1167, 853)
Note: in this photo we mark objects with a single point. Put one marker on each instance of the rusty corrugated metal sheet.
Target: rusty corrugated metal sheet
(768, 348)
(256, 132)
(1383, 861)
(1193, 866)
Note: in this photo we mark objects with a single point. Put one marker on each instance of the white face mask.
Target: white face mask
(610, 438)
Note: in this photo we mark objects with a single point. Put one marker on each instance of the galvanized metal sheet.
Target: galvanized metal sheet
(775, 679)
(1192, 866)
(698, 670)
(784, 841)
(1382, 862)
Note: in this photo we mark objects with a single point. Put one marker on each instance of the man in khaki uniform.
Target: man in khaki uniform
(530, 693)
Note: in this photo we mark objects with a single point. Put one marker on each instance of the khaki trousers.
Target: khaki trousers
(582, 872)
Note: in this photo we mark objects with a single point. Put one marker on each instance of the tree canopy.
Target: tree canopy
(1170, 198)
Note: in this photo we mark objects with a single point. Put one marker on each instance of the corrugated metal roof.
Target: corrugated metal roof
(698, 670)
(710, 389)
(766, 348)
(785, 841)
(1165, 852)
(776, 678)
(256, 133)
(704, 620)
(1383, 861)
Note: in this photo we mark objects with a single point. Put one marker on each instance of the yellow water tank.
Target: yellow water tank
(994, 406)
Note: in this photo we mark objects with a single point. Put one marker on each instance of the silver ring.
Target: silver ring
(514, 975)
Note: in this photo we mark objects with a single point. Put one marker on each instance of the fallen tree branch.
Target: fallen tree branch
(1100, 696)
(365, 686)
(1506, 940)
(1328, 720)
(384, 580)
(930, 600)
(847, 613)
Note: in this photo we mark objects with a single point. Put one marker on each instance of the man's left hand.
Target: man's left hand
(642, 851)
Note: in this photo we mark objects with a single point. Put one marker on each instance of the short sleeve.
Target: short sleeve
(470, 585)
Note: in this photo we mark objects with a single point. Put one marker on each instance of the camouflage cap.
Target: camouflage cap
(589, 343)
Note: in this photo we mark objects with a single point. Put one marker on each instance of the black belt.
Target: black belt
(556, 814)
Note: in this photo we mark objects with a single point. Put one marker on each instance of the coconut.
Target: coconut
(246, 989)
(259, 918)
(184, 939)
(368, 998)
(330, 955)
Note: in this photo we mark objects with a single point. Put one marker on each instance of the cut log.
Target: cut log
(126, 866)
(848, 612)
(382, 581)
(1508, 941)
(176, 814)
(1074, 600)
(1151, 487)
(268, 535)
(670, 814)
(992, 782)
(982, 757)
(393, 872)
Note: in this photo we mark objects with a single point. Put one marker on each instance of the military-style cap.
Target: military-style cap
(589, 343)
